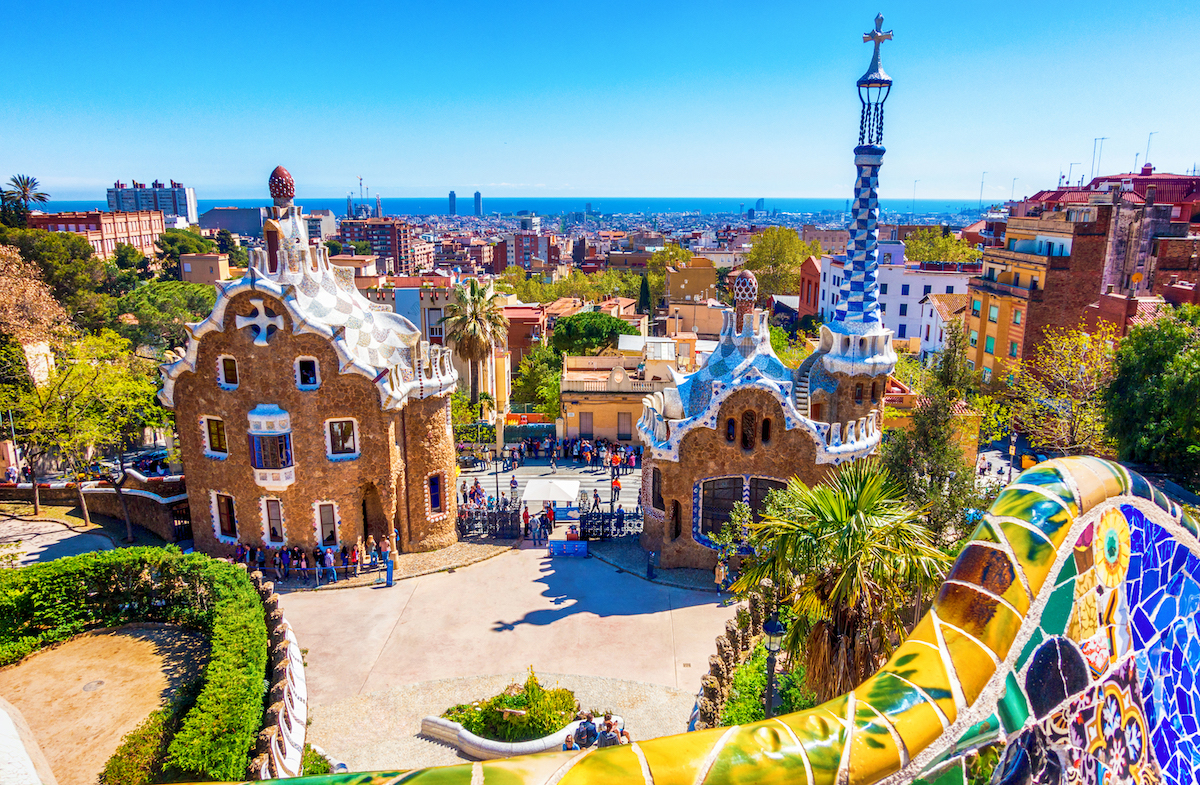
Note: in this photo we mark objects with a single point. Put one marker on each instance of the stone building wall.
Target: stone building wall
(430, 449)
(705, 453)
(372, 482)
(1072, 283)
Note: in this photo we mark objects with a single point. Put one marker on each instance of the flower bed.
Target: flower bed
(520, 713)
(43, 604)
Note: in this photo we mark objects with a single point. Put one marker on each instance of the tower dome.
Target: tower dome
(283, 187)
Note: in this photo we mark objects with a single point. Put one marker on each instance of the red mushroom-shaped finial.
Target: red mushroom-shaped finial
(282, 185)
(745, 286)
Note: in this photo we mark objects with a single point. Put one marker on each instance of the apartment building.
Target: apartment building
(391, 239)
(103, 231)
(170, 200)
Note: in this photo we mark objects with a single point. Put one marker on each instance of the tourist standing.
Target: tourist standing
(616, 490)
(277, 565)
(330, 570)
(585, 733)
(285, 560)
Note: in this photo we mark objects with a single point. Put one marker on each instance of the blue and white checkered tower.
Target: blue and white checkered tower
(857, 311)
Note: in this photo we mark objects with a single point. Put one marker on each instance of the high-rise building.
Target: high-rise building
(391, 239)
(478, 205)
(378, 206)
(760, 205)
(453, 204)
(171, 200)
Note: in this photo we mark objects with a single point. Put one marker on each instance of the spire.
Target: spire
(857, 309)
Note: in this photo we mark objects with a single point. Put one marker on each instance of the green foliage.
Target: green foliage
(23, 190)
(226, 244)
(847, 556)
(776, 258)
(334, 247)
(790, 351)
(909, 372)
(361, 247)
(127, 268)
(475, 433)
(983, 763)
(546, 711)
(995, 416)
(173, 243)
(932, 245)
(644, 302)
(589, 288)
(312, 763)
(162, 308)
(748, 691)
(77, 278)
(926, 459)
(47, 603)
(140, 758)
(1151, 402)
(475, 324)
(537, 380)
(656, 270)
(587, 332)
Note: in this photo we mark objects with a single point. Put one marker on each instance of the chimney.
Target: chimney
(1108, 289)
(1147, 170)
(1151, 191)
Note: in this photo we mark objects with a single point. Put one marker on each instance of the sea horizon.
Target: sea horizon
(558, 205)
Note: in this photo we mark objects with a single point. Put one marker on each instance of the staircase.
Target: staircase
(802, 384)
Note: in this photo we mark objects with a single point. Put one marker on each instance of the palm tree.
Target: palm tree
(475, 322)
(24, 189)
(849, 556)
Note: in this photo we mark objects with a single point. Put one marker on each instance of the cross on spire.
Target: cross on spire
(878, 35)
(260, 323)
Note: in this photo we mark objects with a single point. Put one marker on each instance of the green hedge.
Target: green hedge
(140, 758)
(746, 693)
(546, 711)
(46, 603)
(475, 434)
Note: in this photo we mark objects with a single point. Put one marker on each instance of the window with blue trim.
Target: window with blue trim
(435, 493)
(272, 451)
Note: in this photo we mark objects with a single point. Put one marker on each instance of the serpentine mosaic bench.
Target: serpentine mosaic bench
(1067, 628)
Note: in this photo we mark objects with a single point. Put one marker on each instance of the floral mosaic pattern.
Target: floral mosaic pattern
(1066, 630)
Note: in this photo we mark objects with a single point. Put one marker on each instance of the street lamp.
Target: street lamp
(773, 630)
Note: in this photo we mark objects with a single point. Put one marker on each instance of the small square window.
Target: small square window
(974, 337)
(341, 437)
(1012, 348)
(989, 344)
(215, 441)
(883, 288)
(904, 309)
(1016, 317)
(949, 290)
(904, 290)
(993, 313)
(228, 372)
(928, 289)
(306, 374)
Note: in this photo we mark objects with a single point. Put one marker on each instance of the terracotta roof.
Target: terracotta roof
(948, 305)
(1149, 309)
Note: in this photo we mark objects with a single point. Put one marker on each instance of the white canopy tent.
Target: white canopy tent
(562, 491)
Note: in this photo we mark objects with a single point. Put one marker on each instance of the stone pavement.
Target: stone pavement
(589, 480)
(43, 539)
(368, 647)
(379, 730)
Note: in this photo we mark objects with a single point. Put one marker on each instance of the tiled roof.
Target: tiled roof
(948, 305)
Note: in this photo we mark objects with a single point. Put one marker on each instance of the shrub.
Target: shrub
(46, 603)
(546, 711)
(746, 693)
(139, 759)
(312, 762)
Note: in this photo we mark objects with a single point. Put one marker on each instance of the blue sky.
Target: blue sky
(588, 99)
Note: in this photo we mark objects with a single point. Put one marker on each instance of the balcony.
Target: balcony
(275, 479)
(1004, 290)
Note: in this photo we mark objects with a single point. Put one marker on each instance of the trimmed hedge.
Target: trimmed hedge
(47, 603)
(139, 760)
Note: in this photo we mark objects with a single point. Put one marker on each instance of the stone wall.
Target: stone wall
(705, 453)
(733, 647)
(370, 492)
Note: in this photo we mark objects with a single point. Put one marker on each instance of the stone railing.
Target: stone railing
(733, 647)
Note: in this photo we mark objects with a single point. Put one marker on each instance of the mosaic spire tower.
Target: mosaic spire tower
(859, 296)
(857, 310)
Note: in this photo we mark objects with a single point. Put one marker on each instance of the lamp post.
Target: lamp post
(773, 629)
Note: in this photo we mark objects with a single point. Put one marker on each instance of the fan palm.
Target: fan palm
(849, 556)
(475, 322)
(24, 189)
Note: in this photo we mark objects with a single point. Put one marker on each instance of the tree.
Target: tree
(475, 323)
(776, 258)
(126, 269)
(537, 380)
(589, 331)
(334, 247)
(849, 556)
(77, 278)
(644, 300)
(97, 393)
(28, 311)
(24, 189)
(1151, 402)
(935, 245)
(361, 247)
(791, 352)
(173, 243)
(926, 459)
(1058, 393)
(161, 309)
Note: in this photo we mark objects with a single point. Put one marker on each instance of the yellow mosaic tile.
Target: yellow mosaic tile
(610, 764)
(673, 759)
(526, 768)
(972, 664)
(1034, 554)
(994, 624)
(1095, 480)
(913, 717)
(873, 752)
(993, 570)
(920, 665)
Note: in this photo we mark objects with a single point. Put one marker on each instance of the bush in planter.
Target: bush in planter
(545, 711)
(47, 603)
(749, 684)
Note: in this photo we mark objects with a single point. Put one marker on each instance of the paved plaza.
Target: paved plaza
(590, 480)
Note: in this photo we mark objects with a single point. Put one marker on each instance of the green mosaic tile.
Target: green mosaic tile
(1030, 648)
(1058, 609)
(1013, 708)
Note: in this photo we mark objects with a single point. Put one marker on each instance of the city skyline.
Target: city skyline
(762, 91)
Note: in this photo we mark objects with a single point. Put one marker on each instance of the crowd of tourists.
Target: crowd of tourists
(608, 733)
(320, 565)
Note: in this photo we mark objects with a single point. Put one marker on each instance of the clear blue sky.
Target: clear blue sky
(588, 99)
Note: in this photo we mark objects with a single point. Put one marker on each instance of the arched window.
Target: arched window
(730, 429)
(766, 430)
(749, 429)
(874, 392)
(676, 521)
(858, 393)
